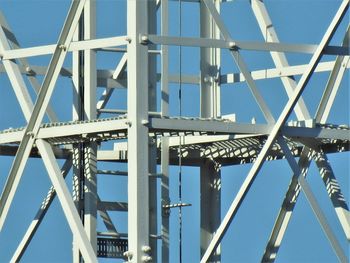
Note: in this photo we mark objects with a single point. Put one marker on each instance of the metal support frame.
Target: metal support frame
(51, 165)
(289, 202)
(239, 62)
(149, 135)
(39, 109)
(313, 203)
(275, 130)
(138, 182)
(152, 160)
(210, 176)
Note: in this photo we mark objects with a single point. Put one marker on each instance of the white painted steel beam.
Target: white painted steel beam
(34, 225)
(279, 59)
(96, 44)
(210, 174)
(107, 93)
(333, 83)
(327, 175)
(137, 101)
(104, 76)
(275, 130)
(239, 62)
(66, 201)
(334, 192)
(105, 127)
(152, 146)
(23, 62)
(286, 209)
(227, 43)
(278, 72)
(164, 155)
(313, 203)
(74, 46)
(25, 104)
(89, 107)
(39, 109)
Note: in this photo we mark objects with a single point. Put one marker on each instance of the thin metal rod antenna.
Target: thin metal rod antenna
(180, 137)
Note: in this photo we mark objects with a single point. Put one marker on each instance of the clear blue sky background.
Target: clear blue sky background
(299, 21)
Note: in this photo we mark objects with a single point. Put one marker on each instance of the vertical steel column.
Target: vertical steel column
(152, 106)
(77, 110)
(84, 155)
(165, 141)
(90, 81)
(210, 175)
(138, 182)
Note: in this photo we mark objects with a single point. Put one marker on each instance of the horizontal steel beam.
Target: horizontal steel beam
(68, 130)
(74, 46)
(104, 76)
(10, 150)
(112, 206)
(278, 72)
(174, 127)
(244, 45)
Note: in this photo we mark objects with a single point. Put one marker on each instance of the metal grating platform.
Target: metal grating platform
(111, 247)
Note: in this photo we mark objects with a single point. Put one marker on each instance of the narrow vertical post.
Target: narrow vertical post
(210, 176)
(77, 81)
(138, 182)
(84, 154)
(210, 213)
(90, 180)
(165, 141)
(152, 106)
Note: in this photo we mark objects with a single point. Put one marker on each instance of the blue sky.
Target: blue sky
(38, 22)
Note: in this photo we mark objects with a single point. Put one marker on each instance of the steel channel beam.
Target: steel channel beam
(275, 130)
(137, 97)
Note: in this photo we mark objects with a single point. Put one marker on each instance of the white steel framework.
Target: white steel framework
(149, 141)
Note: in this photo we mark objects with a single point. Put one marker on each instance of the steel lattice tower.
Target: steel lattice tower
(144, 138)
